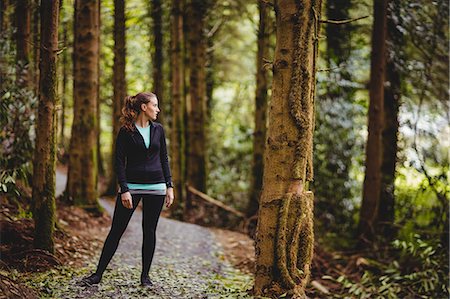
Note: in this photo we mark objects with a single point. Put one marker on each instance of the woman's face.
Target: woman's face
(151, 109)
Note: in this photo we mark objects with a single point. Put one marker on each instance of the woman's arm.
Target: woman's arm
(120, 160)
(165, 159)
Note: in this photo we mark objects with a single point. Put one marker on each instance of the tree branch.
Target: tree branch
(341, 22)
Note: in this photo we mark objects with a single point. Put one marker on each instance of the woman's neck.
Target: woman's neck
(142, 121)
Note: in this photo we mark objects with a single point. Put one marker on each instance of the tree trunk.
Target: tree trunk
(23, 23)
(4, 22)
(392, 94)
(119, 82)
(82, 174)
(64, 84)
(209, 77)
(196, 105)
(284, 237)
(177, 143)
(3, 15)
(158, 80)
(372, 180)
(259, 136)
(44, 180)
(101, 169)
(186, 76)
(36, 35)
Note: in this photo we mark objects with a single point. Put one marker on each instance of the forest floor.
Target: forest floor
(190, 261)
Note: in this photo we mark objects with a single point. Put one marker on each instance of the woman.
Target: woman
(143, 171)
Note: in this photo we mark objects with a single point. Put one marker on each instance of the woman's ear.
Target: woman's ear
(143, 107)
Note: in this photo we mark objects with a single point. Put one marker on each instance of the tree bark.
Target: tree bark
(372, 179)
(158, 80)
(65, 76)
(23, 23)
(261, 100)
(119, 82)
(82, 175)
(392, 95)
(196, 105)
(284, 237)
(101, 169)
(36, 35)
(3, 15)
(177, 142)
(44, 180)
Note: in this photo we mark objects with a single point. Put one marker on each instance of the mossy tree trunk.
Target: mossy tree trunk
(374, 150)
(82, 175)
(284, 237)
(177, 143)
(119, 82)
(44, 180)
(261, 100)
(196, 104)
(392, 95)
(157, 57)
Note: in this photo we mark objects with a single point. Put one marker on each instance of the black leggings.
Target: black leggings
(152, 206)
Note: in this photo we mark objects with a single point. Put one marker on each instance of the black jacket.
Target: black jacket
(137, 164)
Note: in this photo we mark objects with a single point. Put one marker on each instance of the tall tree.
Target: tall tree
(392, 95)
(65, 75)
(23, 23)
(44, 181)
(177, 142)
(101, 169)
(36, 34)
(4, 20)
(335, 133)
(196, 104)
(157, 57)
(262, 81)
(374, 150)
(82, 174)
(284, 237)
(119, 80)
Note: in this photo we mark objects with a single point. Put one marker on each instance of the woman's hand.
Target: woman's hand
(169, 197)
(126, 200)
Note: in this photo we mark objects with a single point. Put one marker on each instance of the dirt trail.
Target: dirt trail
(187, 261)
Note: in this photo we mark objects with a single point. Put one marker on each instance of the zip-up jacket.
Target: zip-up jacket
(135, 163)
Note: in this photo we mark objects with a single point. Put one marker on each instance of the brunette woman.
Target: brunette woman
(143, 172)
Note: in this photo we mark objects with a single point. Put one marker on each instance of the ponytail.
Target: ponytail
(129, 113)
(132, 108)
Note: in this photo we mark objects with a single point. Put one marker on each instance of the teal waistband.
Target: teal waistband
(160, 186)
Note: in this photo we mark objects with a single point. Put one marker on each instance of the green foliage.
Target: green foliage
(17, 108)
(419, 270)
(232, 106)
(340, 122)
(230, 148)
(417, 205)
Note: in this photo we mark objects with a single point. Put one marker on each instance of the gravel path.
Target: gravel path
(187, 262)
